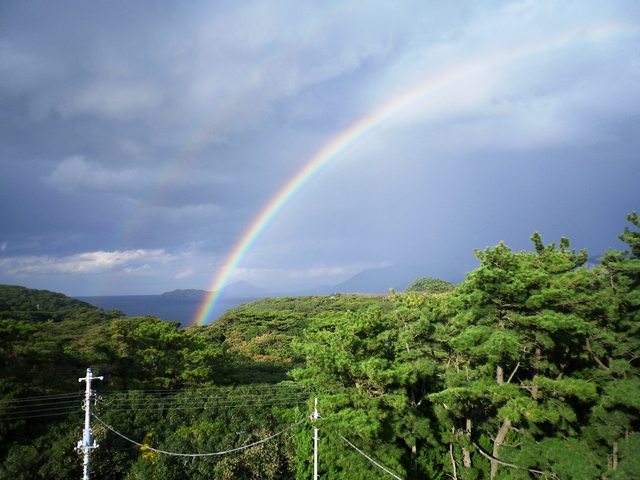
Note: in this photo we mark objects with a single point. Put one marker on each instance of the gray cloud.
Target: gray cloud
(145, 128)
(81, 263)
(77, 174)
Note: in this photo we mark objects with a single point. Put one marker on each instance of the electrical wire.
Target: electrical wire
(201, 407)
(176, 409)
(276, 386)
(44, 409)
(370, 459)
(203, 402)
(24, 408)
(206, 399)
(189, 399)
(41, 404)
(210, 454)
(184, 399)
(40, 398)
(25, 417)
(22, 411)
(265, 395)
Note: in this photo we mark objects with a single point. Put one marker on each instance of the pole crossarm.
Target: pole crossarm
(210, 454)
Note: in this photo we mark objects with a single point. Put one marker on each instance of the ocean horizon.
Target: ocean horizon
(181, 310)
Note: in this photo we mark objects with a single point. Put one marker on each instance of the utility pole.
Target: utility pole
(314, 416)
(87, 442)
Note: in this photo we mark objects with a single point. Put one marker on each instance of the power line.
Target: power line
(370, 459)
(206, 402)
(209, 398)
(210, 454)
(202, 407)
(40, 398)
(44, 409)
(41, 404)
(228, 388)
(213, 393)
(160, 403)
(26, 417)
(11, 413)
(61, 404)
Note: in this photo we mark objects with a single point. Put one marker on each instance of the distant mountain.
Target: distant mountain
(380, 280)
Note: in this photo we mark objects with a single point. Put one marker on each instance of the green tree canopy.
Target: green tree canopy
(430, 285)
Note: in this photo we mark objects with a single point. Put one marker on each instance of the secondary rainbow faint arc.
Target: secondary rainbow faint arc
(363, 127)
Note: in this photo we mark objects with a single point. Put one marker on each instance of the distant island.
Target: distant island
(185, 294)
(239, 289)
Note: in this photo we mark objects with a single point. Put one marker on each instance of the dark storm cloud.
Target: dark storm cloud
(139, 140)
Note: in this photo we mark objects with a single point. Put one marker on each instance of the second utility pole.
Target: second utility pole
(314, 416)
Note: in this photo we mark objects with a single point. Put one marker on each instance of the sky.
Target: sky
(141, 141)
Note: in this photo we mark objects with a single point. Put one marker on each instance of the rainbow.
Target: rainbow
(363, 128)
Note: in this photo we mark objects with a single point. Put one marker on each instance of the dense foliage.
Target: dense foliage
(430, 285)
(527, 369)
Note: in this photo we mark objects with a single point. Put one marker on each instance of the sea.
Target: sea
(181, 310)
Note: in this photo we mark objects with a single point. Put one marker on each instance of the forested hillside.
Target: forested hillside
(527, 369)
